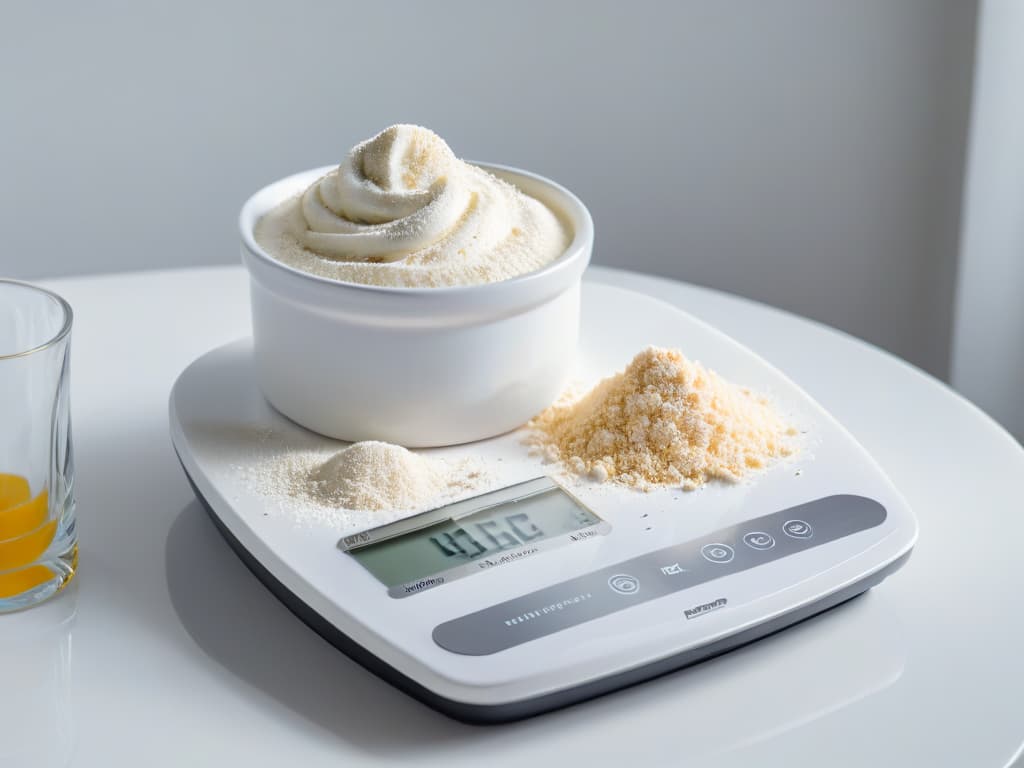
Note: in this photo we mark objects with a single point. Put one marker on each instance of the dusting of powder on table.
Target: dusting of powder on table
(367, 476)
(664, 420)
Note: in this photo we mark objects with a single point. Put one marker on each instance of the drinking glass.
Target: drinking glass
(38, 544)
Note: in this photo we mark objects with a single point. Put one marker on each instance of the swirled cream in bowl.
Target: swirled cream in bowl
(402, 210)
(410, 297)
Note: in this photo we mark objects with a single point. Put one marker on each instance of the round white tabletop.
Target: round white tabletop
(167, 651)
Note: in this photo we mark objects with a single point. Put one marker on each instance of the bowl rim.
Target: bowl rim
(572, 208)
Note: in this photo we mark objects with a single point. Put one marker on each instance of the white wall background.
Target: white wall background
(801, 152)
(988, 351)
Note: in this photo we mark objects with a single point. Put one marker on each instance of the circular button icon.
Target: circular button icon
(624, 584)
(717, 553)
(797, 529)
(759, 540)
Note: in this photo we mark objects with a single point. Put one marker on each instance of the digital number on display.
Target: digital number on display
(543, 517)
(487, 536)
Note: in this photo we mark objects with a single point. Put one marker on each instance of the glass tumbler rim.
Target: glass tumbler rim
(61, 334)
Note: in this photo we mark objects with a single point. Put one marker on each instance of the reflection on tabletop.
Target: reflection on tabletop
(744, 697)
(37, 726)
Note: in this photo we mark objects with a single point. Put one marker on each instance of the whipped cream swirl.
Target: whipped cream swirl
(403, 210)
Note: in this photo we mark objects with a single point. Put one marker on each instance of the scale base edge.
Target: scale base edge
(491, 714)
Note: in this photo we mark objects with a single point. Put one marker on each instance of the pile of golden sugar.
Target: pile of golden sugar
(665, 420)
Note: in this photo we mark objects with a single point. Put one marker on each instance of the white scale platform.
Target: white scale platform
(655, 582)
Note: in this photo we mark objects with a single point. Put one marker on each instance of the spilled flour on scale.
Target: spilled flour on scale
(368, 483)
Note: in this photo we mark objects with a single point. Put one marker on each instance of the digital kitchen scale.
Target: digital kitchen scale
(540, 590)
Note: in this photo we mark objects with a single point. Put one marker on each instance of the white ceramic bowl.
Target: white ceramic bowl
(415, 366)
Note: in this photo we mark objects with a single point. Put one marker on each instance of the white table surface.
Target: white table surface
(166, 651)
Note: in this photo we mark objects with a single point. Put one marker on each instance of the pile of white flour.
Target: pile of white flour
(318, 486)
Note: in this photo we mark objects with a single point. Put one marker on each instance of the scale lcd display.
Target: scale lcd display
(492, 535)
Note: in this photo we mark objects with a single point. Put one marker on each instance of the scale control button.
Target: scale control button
(797, 529)
(759, 540)
(624, 584)
(717, 553)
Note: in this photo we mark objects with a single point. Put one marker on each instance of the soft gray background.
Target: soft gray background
(804, 153)
(988, 349)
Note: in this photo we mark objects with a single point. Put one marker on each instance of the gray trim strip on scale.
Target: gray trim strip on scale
(482, 714)
(640, 579)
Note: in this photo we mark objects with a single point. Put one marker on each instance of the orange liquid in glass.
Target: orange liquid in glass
(25, 534)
